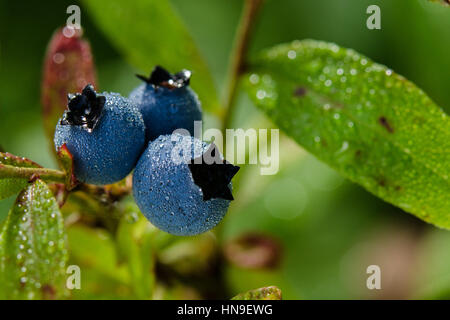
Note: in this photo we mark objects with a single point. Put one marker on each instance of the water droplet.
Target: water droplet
(261, 94)
(344, 146)
(254, 78)
(292, 54)
(58, 58)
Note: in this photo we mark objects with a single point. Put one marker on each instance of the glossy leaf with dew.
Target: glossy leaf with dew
(361, 118)
(33, 253)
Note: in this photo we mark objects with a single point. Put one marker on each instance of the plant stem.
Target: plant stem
(48, 175)
(237, 64)
(236, 68)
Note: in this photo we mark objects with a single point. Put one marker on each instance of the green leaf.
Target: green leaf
(94, 249)
(266, 293)
(149, 33)
(135, 246)
(11, 186)
(372, 125)
(33, 247)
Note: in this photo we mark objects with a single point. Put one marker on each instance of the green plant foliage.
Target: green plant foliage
(135, 246)
(11, 186)
(266, 293)
(95, 249)
(372, 125)
(33, 247)
(150, 32)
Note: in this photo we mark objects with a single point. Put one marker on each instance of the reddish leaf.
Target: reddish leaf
(65, 160)
(68, 67)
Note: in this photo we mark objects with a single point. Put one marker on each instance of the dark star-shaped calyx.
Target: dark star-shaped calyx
(160, 77)
(213, 177)
(84, 109)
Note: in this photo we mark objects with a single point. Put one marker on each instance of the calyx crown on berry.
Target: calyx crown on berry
(84, 109)
(213, 178)
(160, 77)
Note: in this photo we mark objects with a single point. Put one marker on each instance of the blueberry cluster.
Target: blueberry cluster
(176, 184)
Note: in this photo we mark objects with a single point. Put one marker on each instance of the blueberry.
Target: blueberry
(176, 188)
(105, 134)
(167, 102)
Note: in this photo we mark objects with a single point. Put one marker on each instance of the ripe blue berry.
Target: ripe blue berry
(167, 103)
(176, 188)
(105, 134)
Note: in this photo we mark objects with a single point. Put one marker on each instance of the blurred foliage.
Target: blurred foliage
(329, 229)
(151, 33)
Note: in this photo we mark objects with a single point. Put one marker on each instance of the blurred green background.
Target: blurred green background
(330, 230)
